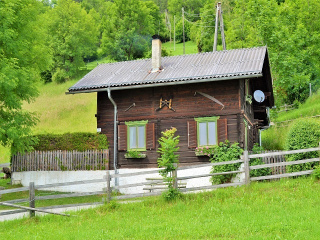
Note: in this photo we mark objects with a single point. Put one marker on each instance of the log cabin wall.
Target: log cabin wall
(187, 106)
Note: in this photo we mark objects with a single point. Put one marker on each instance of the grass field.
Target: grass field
(286, 209)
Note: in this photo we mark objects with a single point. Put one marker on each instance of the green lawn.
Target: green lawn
(287, 209)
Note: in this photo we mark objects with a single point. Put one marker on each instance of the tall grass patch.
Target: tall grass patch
(275, 137)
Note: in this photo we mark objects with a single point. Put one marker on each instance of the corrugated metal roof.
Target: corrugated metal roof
(211, 65)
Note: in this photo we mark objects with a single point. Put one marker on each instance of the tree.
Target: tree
(74, 36)
(129, 27)
(23, 56)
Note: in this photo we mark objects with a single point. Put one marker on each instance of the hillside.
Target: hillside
(60, 113)
(274, 138)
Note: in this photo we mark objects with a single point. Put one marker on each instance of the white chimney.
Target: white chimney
(156, 55)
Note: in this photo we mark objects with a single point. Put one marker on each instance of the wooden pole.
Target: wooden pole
(246, 167)
(108, 187)
(222, 28)
(184, 44)
(174, 32)
(216, 30)
(32, 196)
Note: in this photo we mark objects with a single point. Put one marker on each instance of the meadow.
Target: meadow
(286, 209)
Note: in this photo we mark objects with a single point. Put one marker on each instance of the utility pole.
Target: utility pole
(222, 28)
(216, 31)
(219, 16)
(184, 44)
(174, 32)
(168, 23)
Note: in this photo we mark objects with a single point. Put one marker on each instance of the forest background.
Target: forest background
(54, 40)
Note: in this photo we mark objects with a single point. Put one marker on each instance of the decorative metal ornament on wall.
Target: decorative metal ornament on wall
(164, 103)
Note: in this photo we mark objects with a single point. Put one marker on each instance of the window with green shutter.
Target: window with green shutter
(136, 135)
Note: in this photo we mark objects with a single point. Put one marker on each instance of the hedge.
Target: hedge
(70, 141)
(304, 133)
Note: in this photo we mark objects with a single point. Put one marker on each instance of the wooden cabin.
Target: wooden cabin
(208, 97)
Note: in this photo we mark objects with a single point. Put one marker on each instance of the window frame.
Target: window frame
(137, 124)
(207, 120)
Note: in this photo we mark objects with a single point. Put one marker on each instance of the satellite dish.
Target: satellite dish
(259, 96)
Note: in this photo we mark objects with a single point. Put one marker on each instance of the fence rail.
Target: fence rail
(61, 160)
(246, 170)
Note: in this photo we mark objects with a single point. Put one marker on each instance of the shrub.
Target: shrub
(60, 76)
(222, 153)
(303, 134)
(70, 141)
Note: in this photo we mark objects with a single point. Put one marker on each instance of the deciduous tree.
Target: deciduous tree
(22, 57)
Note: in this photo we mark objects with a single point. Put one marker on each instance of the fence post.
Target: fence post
(174, 176)
(108, 187)
(32, 201)
(246, 167)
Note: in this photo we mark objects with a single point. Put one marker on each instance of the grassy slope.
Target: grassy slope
(286, 209)
(60, 113)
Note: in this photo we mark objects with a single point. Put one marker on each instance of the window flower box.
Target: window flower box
(204, 151)
(135, 154)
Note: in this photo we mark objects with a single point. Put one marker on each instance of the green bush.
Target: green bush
(60, 76)
(71, 141)
(222, 153)
(303, 134)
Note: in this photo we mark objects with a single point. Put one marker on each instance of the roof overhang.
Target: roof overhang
(167, 83)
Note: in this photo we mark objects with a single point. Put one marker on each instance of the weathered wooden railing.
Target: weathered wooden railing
(109, 177)
(60, 160)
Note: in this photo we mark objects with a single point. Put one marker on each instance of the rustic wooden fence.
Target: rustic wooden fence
(61, 160)
(245, 159)
(268, 159)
